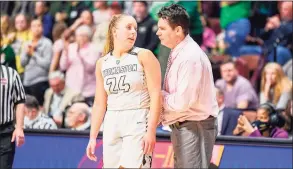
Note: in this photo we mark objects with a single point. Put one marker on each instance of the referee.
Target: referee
(12, 97)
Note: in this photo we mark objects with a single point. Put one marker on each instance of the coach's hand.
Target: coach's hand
(18, 136)
(148, 142)
(90, 150)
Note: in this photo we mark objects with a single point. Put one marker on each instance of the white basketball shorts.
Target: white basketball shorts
(122, 139)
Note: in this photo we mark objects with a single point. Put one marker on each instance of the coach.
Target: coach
(12, 97)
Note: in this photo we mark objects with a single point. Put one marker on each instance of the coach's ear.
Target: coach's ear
(178, 30)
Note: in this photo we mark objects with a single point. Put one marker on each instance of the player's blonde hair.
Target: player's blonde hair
(109, 45)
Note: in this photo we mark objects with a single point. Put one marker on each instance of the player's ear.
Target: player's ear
(114, 32)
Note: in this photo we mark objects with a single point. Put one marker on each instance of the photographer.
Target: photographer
(268, 124)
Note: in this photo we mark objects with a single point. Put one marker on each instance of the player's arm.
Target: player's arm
(100, 103)
(153, 77)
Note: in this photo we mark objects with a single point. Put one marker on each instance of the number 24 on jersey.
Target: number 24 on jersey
(115, 87)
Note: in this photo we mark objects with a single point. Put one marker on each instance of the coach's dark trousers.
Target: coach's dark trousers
(193, 143)
(7, 148)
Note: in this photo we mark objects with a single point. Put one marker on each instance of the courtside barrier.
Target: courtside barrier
(66, 149)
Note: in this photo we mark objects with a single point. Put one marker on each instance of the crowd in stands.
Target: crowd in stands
(54, 47)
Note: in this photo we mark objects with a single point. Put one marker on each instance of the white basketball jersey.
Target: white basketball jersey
(125, 82)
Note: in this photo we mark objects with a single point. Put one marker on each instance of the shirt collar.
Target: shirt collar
(61, 93)
(178, 48)
(39, 42)
(222, 107)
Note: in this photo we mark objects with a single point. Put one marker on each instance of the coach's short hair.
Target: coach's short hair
(176, 15)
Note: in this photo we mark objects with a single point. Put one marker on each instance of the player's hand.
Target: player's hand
(18, 136)
(148, 142)
(90, 150)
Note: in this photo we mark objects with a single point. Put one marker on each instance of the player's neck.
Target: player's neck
(119, 52)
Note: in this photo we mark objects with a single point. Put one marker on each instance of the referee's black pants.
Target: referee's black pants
(7, 148)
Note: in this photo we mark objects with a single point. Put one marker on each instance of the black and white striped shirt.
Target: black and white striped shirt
(11, 94)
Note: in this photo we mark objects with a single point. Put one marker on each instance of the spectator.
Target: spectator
(24, 7)
(277, 30)
(36, 59)
(287, 68)
(102, 12)
(209, 36)
(23, 35)
(275, 86)
(238, 91)
(85, 18)
(116, 7)
(146, 27)
(266, 125)
(221, 104)
(70, 12)
(7, 32)
(56, 6)
(34, 118)
(78, 117)
(234, 20)
(42, 13)
(261, 11)
(58, 45)
(58, 96)
(99, 37)
(7, 56)
(79, 61)
(227, 118)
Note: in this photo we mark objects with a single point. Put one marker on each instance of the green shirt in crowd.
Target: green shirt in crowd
(192, 8)
(234, 12)
(7, 56)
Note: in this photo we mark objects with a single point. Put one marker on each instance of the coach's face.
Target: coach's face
(166, 33)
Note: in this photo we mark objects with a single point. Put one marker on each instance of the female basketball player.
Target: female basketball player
(127, 99)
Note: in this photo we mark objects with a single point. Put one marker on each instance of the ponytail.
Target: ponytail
(109, 44)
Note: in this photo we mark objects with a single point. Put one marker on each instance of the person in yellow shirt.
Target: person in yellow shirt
(22, 35)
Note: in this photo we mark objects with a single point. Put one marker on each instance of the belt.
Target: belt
(178, 124)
